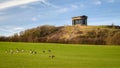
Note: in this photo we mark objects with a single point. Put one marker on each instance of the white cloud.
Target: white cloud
(49, 4)
(24, 6)
(34, 19)
(2, 13)
(10, 30)
(82, 5)
(97, 2)
(3, 18)
(74, 6)
(12, 3)
(110, 1)
(62, 10)
(18, 28)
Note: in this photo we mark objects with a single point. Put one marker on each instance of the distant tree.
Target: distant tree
(3, 38)
(15, 38)
(36, 34)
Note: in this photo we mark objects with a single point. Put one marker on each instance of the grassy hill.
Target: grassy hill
(70, 34)
(66, 56)
(84, 34)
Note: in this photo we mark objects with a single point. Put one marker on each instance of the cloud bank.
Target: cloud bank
(13, 3)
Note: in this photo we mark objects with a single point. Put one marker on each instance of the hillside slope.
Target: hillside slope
(70, 34)
(83, 34)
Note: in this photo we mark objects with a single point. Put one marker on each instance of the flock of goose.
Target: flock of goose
(33, 52)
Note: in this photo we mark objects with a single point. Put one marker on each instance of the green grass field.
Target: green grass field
(66, 56)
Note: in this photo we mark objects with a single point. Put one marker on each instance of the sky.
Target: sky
(19, 15)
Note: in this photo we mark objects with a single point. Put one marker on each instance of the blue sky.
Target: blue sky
(19, 15)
